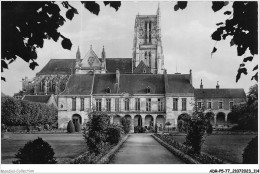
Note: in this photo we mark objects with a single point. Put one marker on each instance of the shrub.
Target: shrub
(95, 135)
(77, 127)
(139, 129)
(250, 154)
(36, 152)
(156, 129)
(46, 126)
(126, 123)
(113, 134)
(70, 127)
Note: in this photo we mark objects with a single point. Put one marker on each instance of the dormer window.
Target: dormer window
(148, 90)
(144, 71)
(108, 90)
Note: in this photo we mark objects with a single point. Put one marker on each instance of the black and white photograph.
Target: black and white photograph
(121, 83)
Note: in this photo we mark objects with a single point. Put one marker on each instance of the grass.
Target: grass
(227, 147)
(66, 146)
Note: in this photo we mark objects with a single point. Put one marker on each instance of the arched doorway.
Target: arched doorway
(117, 120)
(76, 118)
(220, 120)
(160, 121)
(138, 120)
(148, 121)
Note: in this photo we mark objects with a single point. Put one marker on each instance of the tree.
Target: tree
(25, 26)
(246, 114)
(126, 125)
(35, 152)
(250, 154)
(241, 26)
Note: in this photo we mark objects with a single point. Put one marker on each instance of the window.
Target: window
(108, 90)
(117, 104)
(82, 104)
(74, 104)
(148, 104)
(231, 104)
(160, 104)
(175, 104)
(184, 104)
(148, 90)
(144, 71)
(199, 105)
(137, 104)
(220, 105)
(98, 104)
(108, 104)
(209, 105)
(127, 104)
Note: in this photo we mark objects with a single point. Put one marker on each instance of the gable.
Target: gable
(90, 60)
(142, 68)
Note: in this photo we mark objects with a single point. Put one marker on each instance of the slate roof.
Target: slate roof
(219, 93)
(103, 81)
(79, 84)
(179, 83)
(123, 64)
(58, 66)
(137, 83)
(37, 98)
(140, 69)
(63, 66)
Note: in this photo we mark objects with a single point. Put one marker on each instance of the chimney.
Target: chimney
(217, 87)
(117, 76)
(201, 85)
(190, 76)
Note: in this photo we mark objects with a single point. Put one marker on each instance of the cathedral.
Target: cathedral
(137, 88)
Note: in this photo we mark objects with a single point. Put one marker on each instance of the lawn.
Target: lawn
(66, 146)
(228, 147)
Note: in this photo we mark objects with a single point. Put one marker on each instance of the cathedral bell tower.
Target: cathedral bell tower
(147, 46)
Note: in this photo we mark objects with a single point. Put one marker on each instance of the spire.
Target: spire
(90, 47)
(78, 54)
(158, 9)
(201, 85)
(217, 85)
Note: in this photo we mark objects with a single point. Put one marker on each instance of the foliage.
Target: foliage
(126, 123)
(139, 129)
(250, 154)
(197, 125)
(95, 136)
(25, 26)
(156, 129)
(21, 113)
(242, 27)
(46, 126)
(77, 127)
(70, 127)
(246, 115)
(113, 133)
(168, 124)
(36, 152)
(183, 121)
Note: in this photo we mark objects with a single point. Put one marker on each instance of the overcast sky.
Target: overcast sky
(185, 38)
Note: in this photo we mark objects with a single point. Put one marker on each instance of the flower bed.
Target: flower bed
(202, 158)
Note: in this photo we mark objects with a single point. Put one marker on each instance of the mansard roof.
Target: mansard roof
(79, 84)
(37, 98)
(58, 66)
(219, 93)
(141, 68)
(179, 83)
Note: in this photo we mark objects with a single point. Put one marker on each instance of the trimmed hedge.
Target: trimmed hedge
(70, 127)
(113, 134)
(250, 154)
(24, 113)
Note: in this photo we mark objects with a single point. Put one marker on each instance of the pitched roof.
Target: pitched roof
(123, 64)
(103, 81)
(142, 68)
(179, 83)
(219, 93)
(58, 66)
(37, 98)
(137, 83)
(79, 84)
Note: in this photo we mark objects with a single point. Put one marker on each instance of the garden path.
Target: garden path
(144, 149)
